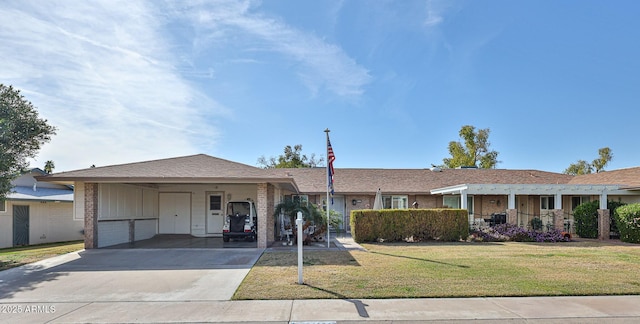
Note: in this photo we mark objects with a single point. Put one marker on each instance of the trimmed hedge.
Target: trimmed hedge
(628, 219)
(586, 218)
(396, 225)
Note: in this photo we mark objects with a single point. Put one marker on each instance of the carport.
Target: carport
(182, 196)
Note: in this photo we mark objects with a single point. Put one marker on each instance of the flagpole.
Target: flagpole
(328, 188)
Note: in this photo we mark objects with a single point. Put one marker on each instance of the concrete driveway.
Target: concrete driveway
(107, 275)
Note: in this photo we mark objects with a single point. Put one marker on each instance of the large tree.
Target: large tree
(583, 167)
(473, 151)
(292, 158)
(22, 132)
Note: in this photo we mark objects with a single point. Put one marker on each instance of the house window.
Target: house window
(395, 202)
(547, 202)
(3, 206)
(579, 200)
(215, 202)
(451, 201)
(454, 202)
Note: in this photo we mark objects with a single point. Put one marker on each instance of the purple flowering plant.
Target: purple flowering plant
(509, 232)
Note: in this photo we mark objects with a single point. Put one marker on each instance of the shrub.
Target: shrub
(628, 219)
(612, 206)
(396, 225)
(586, 219)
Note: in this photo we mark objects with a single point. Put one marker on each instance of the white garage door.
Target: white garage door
(175, 213)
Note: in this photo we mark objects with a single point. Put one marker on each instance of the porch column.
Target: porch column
(511, 201)
(464, 205)
(271, 222)
(512, 216)
(604, 218)
(558, 219)
(90, 215)
(558, 213)
(262, 215)
(604, 224)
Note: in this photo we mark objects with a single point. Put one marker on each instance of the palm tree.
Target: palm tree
(49, 166)
(291, 207)
(310, 214)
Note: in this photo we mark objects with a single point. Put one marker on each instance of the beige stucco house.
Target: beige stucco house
(38, 212)
(519, 194)
(187, 195)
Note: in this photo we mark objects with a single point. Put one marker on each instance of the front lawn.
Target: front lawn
(15, 257)
(449, 270)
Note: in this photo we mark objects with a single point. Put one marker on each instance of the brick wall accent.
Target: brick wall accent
(558, 219)
(487, 205)
(271, 235)
(90, 215)
(604, 224)
(262, 206)
(512, 216)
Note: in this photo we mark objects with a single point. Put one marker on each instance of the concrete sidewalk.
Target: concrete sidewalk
(592, 309)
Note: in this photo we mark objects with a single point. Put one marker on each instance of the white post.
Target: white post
(328, 233)
(511, 201)
(603, 200)
(465, 206)
(300, 233)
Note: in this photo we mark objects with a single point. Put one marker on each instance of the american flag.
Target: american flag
(330, 158)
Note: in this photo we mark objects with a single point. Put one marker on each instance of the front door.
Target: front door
(522, 205)
(20, 225)
(215, 214)
(175, 213)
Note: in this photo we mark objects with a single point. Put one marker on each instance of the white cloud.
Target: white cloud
(119, 79)
(320, 65)
(103, 73)
(434, 13)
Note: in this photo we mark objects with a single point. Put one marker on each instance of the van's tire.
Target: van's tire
(225, 239)
(250, 239)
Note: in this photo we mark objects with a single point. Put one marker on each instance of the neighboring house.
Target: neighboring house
(38, 212)
(520, 195)
(187, 195)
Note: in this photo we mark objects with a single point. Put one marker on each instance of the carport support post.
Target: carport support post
(604, 218)
(299, 233)
(90, 215)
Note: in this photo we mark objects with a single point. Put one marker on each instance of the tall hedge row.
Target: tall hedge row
(586, 218)
(395, 225)
(628, 218)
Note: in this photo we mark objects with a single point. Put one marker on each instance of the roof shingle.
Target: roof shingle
(416, 181)
(627, 178)
(200, 166)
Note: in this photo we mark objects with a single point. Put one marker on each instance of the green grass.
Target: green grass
(15, 257)
(449, 270)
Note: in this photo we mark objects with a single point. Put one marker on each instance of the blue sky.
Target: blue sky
(394, 81)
